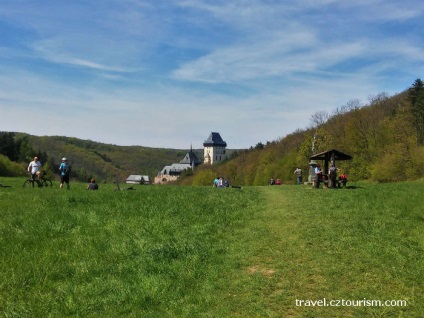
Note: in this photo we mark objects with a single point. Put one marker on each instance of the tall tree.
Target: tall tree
(26, 151)
(416, 96)
(8, 145)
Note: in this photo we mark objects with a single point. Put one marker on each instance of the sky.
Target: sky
(167, 73)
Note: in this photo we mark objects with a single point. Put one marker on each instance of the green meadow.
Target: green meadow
(182, 251)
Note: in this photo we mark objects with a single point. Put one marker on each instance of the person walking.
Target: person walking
(298, 173)
(34, 168)
(64, 169)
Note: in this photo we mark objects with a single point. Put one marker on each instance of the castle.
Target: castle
(214, 149)
(213, 152)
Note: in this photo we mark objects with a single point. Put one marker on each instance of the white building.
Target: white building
(137, 179)
(172, 172)
(214, 149)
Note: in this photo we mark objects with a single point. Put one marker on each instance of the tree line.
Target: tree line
(385, 137)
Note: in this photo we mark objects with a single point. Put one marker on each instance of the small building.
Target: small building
(137, 179)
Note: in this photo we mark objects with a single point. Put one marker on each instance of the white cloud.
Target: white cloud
(165, 74)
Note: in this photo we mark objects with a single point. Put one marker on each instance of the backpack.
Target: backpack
(66, 169)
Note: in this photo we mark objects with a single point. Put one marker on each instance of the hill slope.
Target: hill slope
(104, 161)
(383, 138)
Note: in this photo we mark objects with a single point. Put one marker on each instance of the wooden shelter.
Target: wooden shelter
(329, 156)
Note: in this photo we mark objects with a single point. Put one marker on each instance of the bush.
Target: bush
(399, 166)
(204, 178)
(11, 169)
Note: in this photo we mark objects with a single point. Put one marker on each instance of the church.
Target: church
(214, 151)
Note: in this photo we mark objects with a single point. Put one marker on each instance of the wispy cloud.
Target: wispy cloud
(166, 73)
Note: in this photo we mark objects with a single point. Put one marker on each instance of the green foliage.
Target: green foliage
(104, 162)
(26, 151)
(416, 96)
(397, 165)
(9, 168)
(204, 177)
(8, 147)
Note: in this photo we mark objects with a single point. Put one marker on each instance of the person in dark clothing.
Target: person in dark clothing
(92, 185)
(333, 176)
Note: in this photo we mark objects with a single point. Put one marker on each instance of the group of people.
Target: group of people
(297, 172)
(219, 182)
(34, 169)
(274, 182)
(329, 180)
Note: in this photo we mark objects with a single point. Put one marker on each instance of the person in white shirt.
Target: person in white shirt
(34, 168)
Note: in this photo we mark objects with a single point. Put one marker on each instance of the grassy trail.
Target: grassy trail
(354, 245)
(207, 252)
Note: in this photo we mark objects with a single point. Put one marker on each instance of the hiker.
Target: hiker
(298, 173)
(64, 169)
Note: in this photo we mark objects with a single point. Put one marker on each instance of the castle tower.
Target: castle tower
(214, 149)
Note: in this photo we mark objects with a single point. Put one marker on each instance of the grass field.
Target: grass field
(168, 251)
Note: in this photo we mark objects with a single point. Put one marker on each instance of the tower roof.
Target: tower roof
(214, 139)
(191, 158)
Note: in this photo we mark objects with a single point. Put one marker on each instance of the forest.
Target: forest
(384, 136)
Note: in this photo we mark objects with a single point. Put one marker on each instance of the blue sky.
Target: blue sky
(164, 73)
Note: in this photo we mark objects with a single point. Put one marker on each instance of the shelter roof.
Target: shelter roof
(331, 154)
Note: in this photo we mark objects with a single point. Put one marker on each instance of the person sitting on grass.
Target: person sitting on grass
(342, 180)
(92, 185)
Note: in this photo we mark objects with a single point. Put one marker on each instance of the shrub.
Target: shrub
(11, 169)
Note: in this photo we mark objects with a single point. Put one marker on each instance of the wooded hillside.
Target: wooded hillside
(105, 162)
(385, 137)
